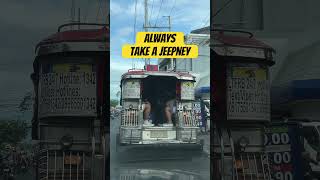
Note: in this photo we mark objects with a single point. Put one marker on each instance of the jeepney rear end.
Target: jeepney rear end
(132, 132)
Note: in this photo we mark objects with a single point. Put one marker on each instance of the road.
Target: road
(157, 164)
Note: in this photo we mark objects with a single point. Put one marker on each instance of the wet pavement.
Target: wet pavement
(158, 163)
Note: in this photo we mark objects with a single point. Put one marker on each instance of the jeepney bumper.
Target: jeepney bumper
(178, 145)
(151, 137)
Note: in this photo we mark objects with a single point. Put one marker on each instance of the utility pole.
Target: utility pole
(79, 18)
(173, 60)
(146, 24)
(73, 12)
(147, 27)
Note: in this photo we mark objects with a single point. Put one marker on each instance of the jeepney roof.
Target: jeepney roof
(140, 74)
(75, 37)
(232, 40)
(245, 45)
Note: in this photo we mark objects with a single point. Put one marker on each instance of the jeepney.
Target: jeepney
(136, 85)
(69, 118)
(241, 98)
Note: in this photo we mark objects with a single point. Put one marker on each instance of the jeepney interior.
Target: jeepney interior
(158, 90)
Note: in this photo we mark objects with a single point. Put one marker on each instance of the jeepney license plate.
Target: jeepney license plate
(159, 134)
(73, 160)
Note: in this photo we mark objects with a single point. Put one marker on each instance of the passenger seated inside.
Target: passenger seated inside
(158, 96)
(166, 109)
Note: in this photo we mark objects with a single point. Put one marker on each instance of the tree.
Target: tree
(114, 102)
(12, 132)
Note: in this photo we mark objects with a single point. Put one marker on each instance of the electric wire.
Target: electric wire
(159, 12)
(99, 7)
(174, 4)
(151, 10)
(86, 12)
(224, 6)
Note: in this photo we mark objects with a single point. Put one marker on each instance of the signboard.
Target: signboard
(187, 90)
(197, 112)
(67, 90)
(131, 89)
(248, 92)
(282, 147)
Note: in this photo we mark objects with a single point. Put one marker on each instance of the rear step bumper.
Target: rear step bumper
(186, 146)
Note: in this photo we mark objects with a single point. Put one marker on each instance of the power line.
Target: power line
(174, 4)
(86, 12)
(98, 13)
(151, 10)
(205, 20)
(225, 5)
(158, 13)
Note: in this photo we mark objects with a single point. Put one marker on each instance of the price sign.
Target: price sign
(197, 112)
(279, 141)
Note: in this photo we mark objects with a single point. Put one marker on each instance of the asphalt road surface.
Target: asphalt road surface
(157, 164)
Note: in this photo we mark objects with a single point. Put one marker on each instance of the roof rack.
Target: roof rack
(80, 24)
(233, 31)
(133, 70)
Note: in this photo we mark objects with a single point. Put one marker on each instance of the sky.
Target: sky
(186, 15)
(22, 25)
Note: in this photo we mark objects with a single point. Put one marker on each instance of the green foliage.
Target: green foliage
(12, 132)
(114, 102)
(26, 102)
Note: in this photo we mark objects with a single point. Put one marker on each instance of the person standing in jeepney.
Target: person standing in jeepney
(146, 111)
(169, 110)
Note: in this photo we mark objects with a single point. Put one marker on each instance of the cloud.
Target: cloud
(116, 8)
(125, 31)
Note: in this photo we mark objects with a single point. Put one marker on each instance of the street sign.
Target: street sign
(284, 152)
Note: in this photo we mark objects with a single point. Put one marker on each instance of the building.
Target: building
(199, 67)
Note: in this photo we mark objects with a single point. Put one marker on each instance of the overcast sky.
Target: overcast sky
(186, 15)
(22, 25)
